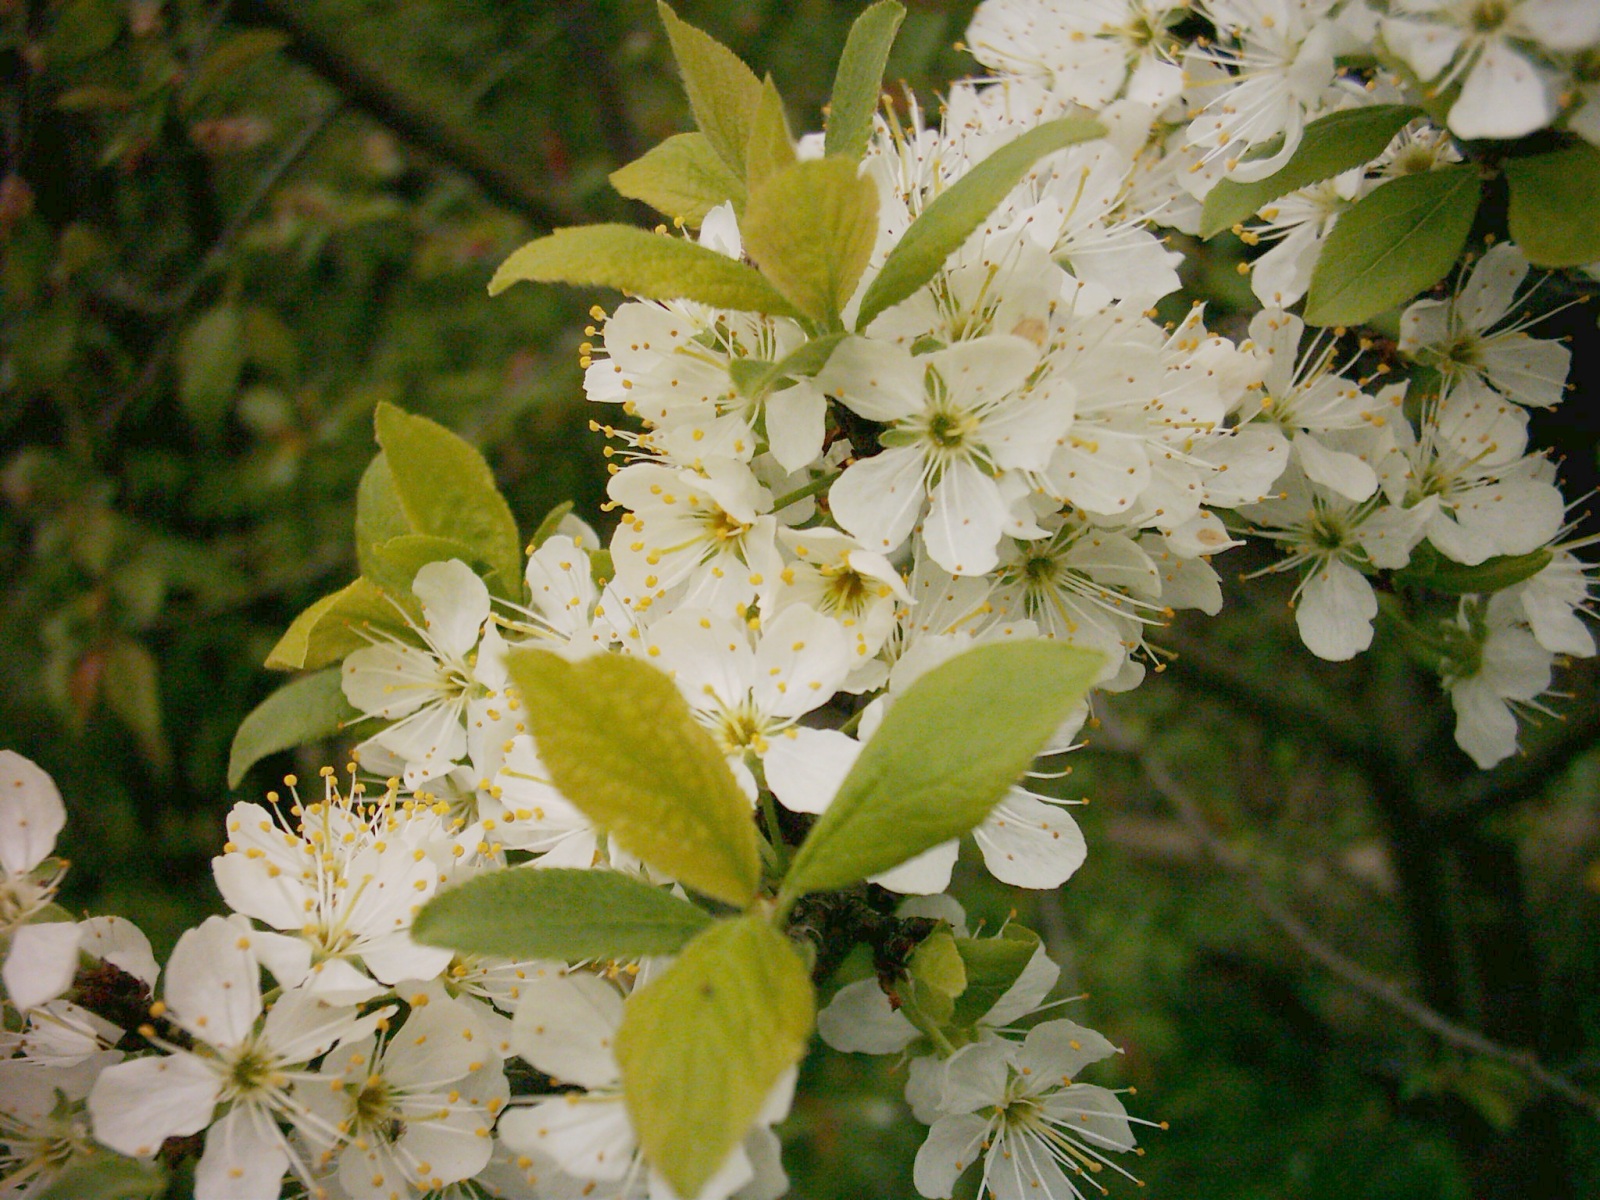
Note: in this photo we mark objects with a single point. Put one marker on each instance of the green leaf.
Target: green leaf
(303, 710)
(1555, 206)
(559, 912)
(446, 489)
(702, 1046)
(683, 178)
(210, 361)
(724, 94)
(327, 631)
(82, 29)
(551, 523)
(1329, 146)
(770, 149)
(755, 379)
(379, 516)
(1396, 241)
(621, 744)
(107, 1177)
(652, 265)
(943, 757)
(230, 56)
(394, 564)
(1432, 570)
(810, 229)
(992, 964)
(949, 220)
(859, 80)
(131, 686)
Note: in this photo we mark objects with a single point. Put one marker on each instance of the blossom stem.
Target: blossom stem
(820, 484)
(769, 817)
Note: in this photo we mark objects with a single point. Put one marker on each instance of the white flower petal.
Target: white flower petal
(1028, 843)
(1503, 97)
(805, 767)
(213, 986)
(121, 943)
(31, 814)
(244, 1158)
(565, 1026)
(135, 1106)
(455, 604)
(860, 1020)
(41, 962)
(586, 1136)
(1335, 612)
(927, 873)
(1336, 470)
(952, 1145)
(878, 499)
(965, 521)
(796, 421)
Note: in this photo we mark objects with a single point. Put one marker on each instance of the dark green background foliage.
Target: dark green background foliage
(227, 231)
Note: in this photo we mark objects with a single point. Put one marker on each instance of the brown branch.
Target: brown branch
(1115, 738)
(365, 87)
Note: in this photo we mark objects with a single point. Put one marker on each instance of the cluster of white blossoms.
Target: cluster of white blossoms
(1016, 450)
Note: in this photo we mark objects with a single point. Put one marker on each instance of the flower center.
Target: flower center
(1415, 159)
(373, 1106)
(847, 592)
(721, 527)
(1465, 352)
(740, 728)
(1326, 531)
(950, 430)
(253, 1070)
(1489, 15)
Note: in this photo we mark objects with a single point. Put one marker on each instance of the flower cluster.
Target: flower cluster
(1018, 449)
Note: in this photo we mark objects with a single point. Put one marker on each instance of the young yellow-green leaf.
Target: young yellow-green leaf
(770, 148)
(328, 630)
(1396, 241)
(655, 266)
(935, 976)
(683, 177)
(301, 711)
(992, 964)
(702, 1046)
(621, 744)
(1330, 145)
(446, 490)
(1555, 206)
(723, 93)
(393, 565)
(810, 229)
(106, 1176)
(558, 912)
(942, 227)
(943, 757)
(379, 516)
(754, 379)
(859, 80)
